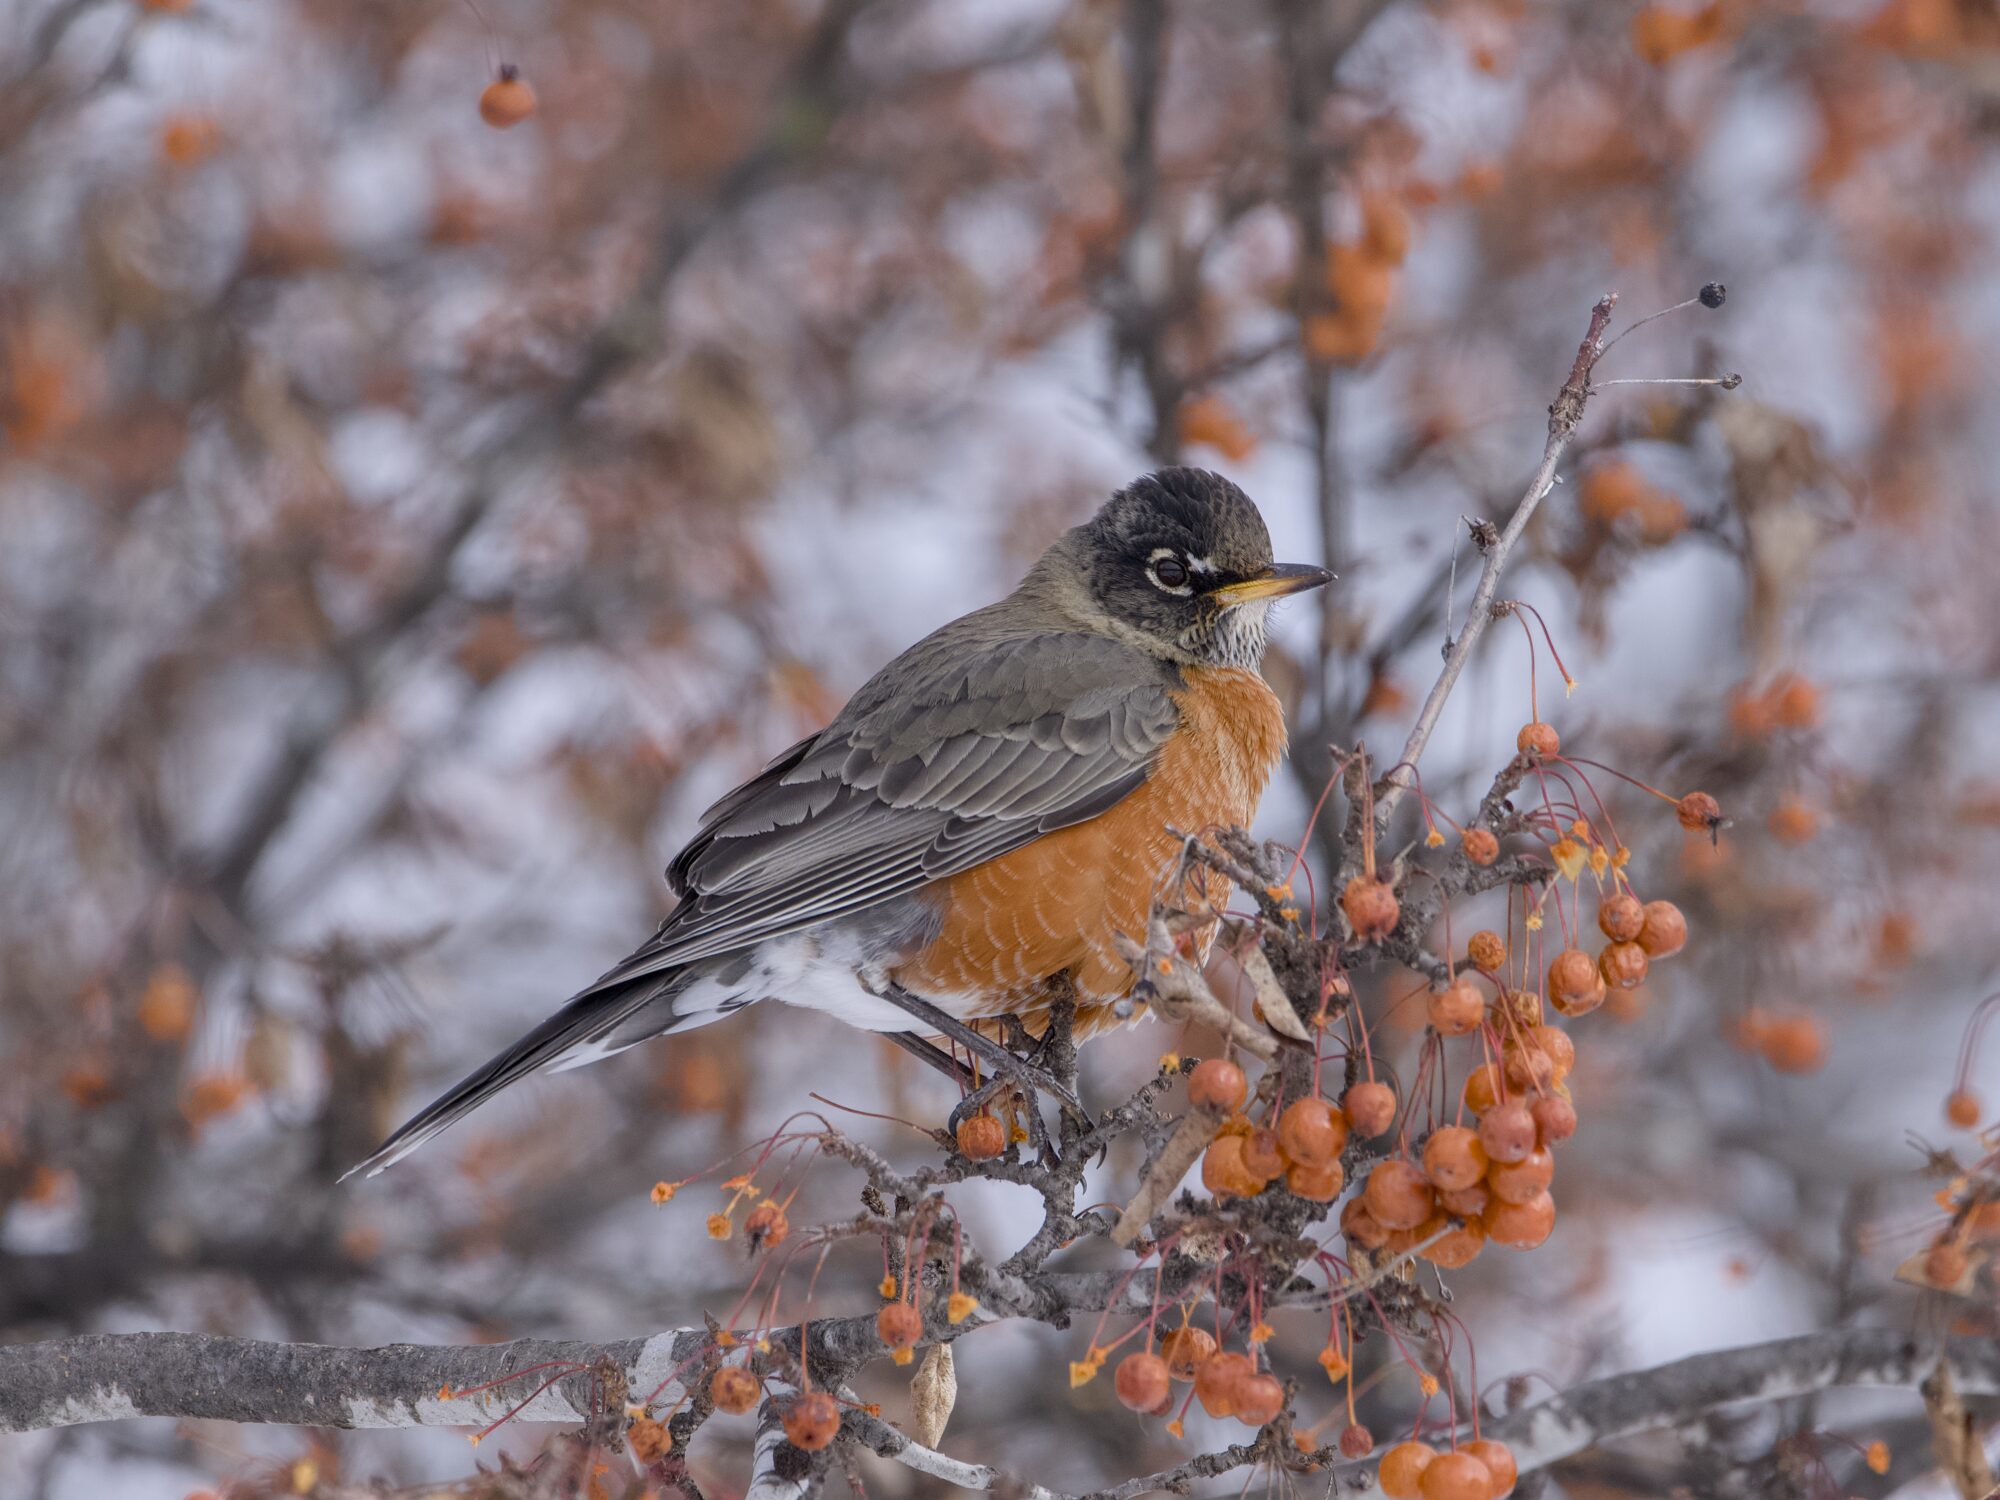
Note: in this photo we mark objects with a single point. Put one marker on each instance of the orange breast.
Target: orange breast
(1052, 907)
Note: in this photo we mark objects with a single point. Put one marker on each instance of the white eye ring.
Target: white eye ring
(1164, 555)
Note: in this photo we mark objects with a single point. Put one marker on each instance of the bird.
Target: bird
(973, 832)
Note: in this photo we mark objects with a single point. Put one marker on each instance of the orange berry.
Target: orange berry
(187, 139)
(1184, 1349)
(1699, 812)
(1356, 1441)
(506, 102)
(1452, 1245)
(1211, 420)
(981, 1137)
(1499, 1461)
(1360, 1227)
(1262, 1156)
(1371, 907)
(734, 1389)
(649, 1440)
(1507, 1131)
(1457, 1009)
(1397, 1194)
(1320, 1184)
(1961, 1108)
(1620, 916)
(1456, 1476)
(899, 1325)
(1538, 741)
(1370, 1108)
(1583, 1005)
(813, 1421)
(1793, 822)
(1483, 1088)
(1624, 965)
(1454, 1159)
(1521, 1226)
(767, 1226)
(1259, 1399)
(1218, 1084)
(1402, 1472)
(1225, 1169)
(1555, 1118)
(1518, 1182)
(166, 1009)
(1541, 1059)
(1572, 976)
(1794, 702)
(1481, 847)
(1486, 952)
(1216, 1381)
(1466, 1202)
(1142, 1381)
(1312, 1133)
(1665, 931)
(1793, 1044)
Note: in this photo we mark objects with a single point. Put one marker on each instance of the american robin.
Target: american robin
(966, 838)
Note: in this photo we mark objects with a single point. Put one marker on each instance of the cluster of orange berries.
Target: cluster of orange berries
(1303, 1146)
(1483, 1469)
(1226, 1384)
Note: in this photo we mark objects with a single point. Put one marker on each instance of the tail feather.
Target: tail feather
(594, 1025)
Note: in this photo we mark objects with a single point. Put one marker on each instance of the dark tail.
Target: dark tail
(597, 1023)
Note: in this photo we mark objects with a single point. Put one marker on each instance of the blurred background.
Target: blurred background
(407, 526)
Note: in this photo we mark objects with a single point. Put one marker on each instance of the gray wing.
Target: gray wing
(960, 751)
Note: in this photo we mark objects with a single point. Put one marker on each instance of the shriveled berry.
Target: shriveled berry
(1481, 847)
(1699, 812)
(648, 1439)
(1620, 916)
(1454, 1158)
(734, 1389)
(1262, 1156)
(1520, 1009)
(1259, 1399)
(1360, 1227)
(1665, 931)
(1519, 1181)
(1539, 740)
(1623, 965)
(1218, 1084)
(1320, 1184)
(1486, 952)
(1142, 1382)
(1500, 1464)
(1401, 1474)
(981, 1137)
(1372, 908)
(1555, 1118)
(1370, 1108)
(1397, 1194)
(813, 1421)
(1184, 1349)
(1456, 1476)
(1457, 1009)
(1312, 1133)
(1961, 1108)
(1356, 1441)
(1521, 1226)
(899, 1325)
(507, 100)
(1216, 1381)
(1507, 1131)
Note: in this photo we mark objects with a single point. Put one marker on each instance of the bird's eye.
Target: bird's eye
(1170, 573)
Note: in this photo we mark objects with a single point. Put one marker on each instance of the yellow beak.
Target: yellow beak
(1274, 583)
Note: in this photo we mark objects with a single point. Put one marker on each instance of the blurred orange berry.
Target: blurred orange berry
(507, 100)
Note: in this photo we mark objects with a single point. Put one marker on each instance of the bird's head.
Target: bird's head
(1182, 559)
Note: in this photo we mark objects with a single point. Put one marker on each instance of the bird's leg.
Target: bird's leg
(935, 1057)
